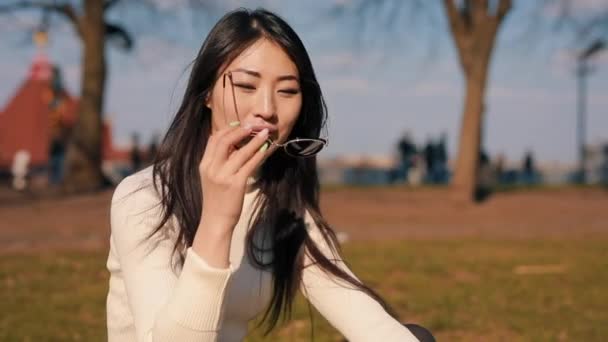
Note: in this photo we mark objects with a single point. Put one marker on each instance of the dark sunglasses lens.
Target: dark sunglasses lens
(304, 148)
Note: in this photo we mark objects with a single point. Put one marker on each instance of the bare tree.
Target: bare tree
(89, 20)
(473, 26)
(83, 161)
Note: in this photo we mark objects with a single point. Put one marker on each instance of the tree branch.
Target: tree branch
(109, 4)
(479, 9)
(461, 33)
(504, 6)
(120, 35)
(466, 13)
(65, 9)
(456, 21)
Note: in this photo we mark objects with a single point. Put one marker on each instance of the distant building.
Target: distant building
(357, 170)
(555, 173)
(36, 113)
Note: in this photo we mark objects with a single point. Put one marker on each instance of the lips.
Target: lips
(272, 130)
(255, 129)
(259, 127)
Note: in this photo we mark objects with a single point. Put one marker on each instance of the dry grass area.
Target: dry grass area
(364, 213)
(527, 265)
(389, 213)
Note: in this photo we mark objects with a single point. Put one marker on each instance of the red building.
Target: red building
(40, 110)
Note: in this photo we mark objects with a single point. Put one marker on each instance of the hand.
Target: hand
(224, 171)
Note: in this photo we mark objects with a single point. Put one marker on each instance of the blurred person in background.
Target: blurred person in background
(430, 159)
(407, 150)
(57, 151)
(441, 168)
(528, 172)
(226, 224)
(59, 130)
(152, 149)
(486, 179)
(20, 169)
(604, 166)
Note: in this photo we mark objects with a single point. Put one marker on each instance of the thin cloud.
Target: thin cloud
(349, 85)
(579, 7)
(436, 88)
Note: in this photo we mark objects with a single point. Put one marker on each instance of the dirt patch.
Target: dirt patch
(396, 213)
(362, 213)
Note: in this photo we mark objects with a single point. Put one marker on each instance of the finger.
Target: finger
(252, 164)
(239, 158)
(226, 144)
(213, 140)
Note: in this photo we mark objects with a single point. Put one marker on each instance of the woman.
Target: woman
(226, 223)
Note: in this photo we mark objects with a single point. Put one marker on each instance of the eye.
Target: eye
(290, 91)
(245, 86)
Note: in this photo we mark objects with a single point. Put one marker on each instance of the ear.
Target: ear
(208, 100)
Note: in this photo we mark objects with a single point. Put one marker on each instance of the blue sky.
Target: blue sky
(404, 80)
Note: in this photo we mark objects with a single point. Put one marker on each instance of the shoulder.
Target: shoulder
(133, 185)
(136, 210)
(135, 195)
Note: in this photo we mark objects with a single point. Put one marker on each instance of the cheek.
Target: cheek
(290, 116)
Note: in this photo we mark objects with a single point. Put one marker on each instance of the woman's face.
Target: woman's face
(263, 92)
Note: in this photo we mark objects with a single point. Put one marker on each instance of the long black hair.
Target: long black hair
(289, 187)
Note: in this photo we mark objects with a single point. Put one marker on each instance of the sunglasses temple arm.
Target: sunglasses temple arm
(236, 109)
(275, 144)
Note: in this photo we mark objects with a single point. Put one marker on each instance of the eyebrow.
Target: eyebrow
(258, 75)
(288, 77)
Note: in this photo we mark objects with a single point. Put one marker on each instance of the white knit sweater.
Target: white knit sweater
(149, 300)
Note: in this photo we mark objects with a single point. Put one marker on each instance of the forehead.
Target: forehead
(265, 57)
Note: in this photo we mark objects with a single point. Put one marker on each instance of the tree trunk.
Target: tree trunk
(465, 178)
(83, 161)
(474, 27)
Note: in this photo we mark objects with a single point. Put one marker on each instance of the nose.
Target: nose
(266, 107)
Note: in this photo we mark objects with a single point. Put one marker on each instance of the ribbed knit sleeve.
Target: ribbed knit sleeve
(165, 304)
(355, 314)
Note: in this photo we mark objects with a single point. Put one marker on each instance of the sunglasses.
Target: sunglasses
(298, 147)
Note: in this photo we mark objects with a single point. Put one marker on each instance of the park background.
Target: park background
(490, 231)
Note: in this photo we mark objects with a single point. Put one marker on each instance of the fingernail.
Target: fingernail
(263, 132)
(234, 123)
(264, 147)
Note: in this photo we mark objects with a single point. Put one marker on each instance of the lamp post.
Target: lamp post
(582, 71)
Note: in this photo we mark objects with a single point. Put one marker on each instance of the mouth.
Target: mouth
(254, 132)
(257, 128)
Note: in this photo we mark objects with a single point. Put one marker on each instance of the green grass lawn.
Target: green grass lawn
(462, 290)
